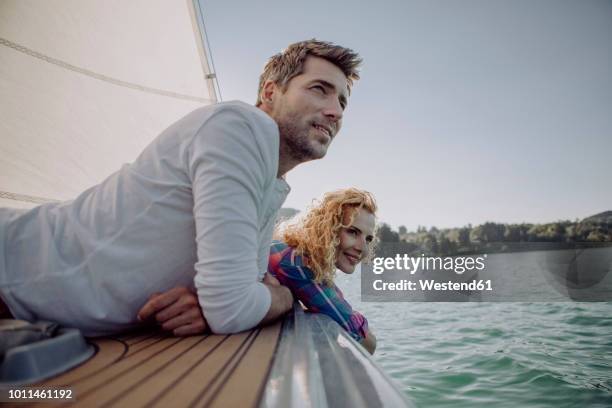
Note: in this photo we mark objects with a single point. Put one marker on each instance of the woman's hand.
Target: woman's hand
(369, 342)
(176, 310)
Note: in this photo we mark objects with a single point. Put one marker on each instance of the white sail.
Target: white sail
(85, 85)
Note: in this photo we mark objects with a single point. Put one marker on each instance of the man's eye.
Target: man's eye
(319, 88)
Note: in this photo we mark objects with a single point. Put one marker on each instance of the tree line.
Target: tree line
(497, 237)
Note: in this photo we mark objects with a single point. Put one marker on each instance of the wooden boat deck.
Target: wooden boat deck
(154, 369)
(308, 360)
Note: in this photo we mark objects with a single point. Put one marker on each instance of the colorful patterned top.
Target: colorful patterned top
(286, 266)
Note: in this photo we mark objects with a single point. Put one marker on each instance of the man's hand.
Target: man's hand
(270, 280)
(282, 299)
(176, 310)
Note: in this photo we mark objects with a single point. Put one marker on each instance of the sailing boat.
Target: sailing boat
(84, 86)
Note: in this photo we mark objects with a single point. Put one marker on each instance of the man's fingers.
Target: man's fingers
(169, 312)
(176, 322)
(188, 318)
(186, 302)
(177, 310)
(190, 329)
(155, 305)
(160, 301)
(146, 311)
(153, 295)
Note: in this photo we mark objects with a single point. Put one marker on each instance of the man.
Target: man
(205, 193)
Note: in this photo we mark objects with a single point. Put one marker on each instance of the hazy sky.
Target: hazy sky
(467, 111)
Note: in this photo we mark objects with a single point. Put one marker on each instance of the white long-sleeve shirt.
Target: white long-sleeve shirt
(196, 208)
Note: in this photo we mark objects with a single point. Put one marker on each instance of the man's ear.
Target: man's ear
(269, 93)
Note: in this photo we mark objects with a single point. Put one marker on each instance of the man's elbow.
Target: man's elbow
(235, 314)
(220, 325)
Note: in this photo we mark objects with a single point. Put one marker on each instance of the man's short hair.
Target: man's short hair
(289, 63)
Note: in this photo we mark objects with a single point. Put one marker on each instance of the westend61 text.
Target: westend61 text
(429, 284)
(457, 264)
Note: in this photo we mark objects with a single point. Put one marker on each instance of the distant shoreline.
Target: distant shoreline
(492, 237)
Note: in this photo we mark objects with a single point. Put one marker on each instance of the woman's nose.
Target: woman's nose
(360, 244)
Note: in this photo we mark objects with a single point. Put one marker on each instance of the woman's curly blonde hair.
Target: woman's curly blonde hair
(316, 235)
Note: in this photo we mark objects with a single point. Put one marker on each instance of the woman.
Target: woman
(338, 232)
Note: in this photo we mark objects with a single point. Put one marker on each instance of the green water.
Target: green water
(494, 354)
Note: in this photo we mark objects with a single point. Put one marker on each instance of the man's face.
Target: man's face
(309, 112)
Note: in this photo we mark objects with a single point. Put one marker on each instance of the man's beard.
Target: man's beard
(296, 142)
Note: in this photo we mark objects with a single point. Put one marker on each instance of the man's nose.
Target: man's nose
(333, 110)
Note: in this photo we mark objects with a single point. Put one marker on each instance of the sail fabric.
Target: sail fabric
(85, 85)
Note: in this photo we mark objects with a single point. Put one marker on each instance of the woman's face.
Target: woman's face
(354, 240)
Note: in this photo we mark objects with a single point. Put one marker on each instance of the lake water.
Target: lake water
(504, 354)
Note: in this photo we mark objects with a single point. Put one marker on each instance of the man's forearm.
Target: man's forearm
(282, 302)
